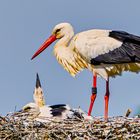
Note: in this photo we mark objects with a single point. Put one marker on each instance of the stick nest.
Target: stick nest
(116, 128)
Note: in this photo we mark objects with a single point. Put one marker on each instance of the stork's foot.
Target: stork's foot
(89, 118)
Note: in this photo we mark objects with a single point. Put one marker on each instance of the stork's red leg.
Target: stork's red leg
(93, 96)
(106, 98)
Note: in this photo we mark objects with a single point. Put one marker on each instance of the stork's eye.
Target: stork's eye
(58, 30)
(27, 108)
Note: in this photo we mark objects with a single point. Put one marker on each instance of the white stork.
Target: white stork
(48, 113)
(106, 53)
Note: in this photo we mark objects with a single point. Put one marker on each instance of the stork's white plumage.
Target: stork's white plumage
(105, 52)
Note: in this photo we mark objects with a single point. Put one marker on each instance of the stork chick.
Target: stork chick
(47, 113)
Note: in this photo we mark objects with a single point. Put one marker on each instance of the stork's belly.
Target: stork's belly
(117, 69)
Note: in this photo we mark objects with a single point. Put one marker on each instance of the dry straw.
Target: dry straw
(13, 127)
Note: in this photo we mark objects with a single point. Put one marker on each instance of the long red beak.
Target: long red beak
(50, 40)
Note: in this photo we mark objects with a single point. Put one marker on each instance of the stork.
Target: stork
(48, 113)
(106, 53)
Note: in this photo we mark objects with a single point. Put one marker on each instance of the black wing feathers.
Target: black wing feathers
(129, 52)
(57, 110)
(124, 36)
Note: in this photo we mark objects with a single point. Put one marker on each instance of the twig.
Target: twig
(128, 112)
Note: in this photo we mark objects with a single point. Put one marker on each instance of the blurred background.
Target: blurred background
(24, 25)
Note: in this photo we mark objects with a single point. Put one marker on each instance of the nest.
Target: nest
(116, 128)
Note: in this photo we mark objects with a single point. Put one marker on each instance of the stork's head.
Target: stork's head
(29, 111)
(30, 107)
(59, 31)
(62, 29)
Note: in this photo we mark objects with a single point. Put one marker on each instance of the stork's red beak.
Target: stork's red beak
(50, 40)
